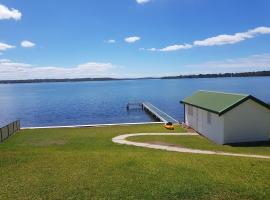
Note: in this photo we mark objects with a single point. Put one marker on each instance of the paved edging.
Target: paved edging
(121, 139)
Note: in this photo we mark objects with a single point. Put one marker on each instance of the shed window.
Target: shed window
(190, 110)
(209, 118)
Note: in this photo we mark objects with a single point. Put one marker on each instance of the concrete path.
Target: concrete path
(121, 139)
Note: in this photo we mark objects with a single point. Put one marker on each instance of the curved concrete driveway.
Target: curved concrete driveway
(121, 139)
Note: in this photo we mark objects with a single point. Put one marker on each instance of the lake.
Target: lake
(76, 103)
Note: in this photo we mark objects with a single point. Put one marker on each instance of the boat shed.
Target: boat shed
(227, 117)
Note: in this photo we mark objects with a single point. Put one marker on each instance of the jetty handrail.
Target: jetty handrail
(161, 118)
(163, 112)
(158, 113)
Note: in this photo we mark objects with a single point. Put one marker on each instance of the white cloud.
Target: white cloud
(10, 70)
(218, 40)
(111, 41)
(4, 60)
(8, 63)
(250, 62)
(4, 46)
(260, 30)
(152, 49)
(142, 1)
(232, 39)
(176, 47)
(95, 66)
(132, 39)
(27, 44)
(6, 13)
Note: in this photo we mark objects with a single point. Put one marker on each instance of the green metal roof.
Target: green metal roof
(218, 102)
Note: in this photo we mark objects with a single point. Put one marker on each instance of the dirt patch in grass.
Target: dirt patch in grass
(45, 143)
(164, 144)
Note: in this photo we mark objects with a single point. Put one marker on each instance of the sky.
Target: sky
(132, 38)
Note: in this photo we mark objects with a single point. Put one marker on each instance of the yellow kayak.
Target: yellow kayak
(169, 126)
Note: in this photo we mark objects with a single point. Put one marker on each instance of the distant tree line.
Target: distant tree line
(55, 80)
(240, 74)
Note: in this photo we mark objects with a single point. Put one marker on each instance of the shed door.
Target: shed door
(200, 120)
(195, 118)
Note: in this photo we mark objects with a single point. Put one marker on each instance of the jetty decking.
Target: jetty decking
(134, 106)
(162, 116)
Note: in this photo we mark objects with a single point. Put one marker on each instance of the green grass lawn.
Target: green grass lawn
(200, 142)
(84, 163)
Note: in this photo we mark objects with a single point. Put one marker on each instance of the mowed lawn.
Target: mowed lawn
(84, 163)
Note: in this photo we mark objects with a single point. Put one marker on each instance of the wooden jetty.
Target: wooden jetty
(154, 111)
(134, 106)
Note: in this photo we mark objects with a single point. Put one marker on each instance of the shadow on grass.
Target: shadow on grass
(251, 144)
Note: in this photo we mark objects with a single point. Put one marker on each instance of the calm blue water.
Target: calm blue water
(45, 104)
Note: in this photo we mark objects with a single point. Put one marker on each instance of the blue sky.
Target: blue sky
(132, 38)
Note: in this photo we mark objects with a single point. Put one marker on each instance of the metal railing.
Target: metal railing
(10, 129)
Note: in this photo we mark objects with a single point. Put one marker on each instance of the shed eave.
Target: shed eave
(209, 110)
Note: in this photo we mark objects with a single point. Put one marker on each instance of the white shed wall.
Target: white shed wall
(198, 121)
(247, 122)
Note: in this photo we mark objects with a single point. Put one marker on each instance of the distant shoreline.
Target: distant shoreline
(192, 76)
